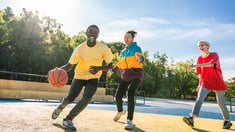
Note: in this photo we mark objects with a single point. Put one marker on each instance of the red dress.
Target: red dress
(211, 77)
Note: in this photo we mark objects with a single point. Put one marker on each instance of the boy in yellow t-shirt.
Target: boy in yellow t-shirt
(89, 57)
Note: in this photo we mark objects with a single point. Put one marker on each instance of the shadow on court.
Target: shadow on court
(135, 129)
(61, 127)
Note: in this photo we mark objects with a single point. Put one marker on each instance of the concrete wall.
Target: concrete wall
(12, 89)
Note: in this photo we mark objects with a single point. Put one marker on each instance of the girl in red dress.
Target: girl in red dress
(208, 67)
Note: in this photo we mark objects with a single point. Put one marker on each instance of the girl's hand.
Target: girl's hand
(190, 67)
(139, 57)
(109, 74)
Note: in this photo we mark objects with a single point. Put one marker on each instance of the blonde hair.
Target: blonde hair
(204, 42)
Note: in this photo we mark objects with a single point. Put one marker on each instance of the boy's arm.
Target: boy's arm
(67, 67)
(95, 69)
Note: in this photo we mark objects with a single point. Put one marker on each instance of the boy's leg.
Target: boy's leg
(75, 89)
(90, 89)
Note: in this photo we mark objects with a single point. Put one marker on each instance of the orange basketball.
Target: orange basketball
(57, 78)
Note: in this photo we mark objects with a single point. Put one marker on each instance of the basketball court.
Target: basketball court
(156, 115)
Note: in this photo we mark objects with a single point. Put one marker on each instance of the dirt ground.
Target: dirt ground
(37, 118)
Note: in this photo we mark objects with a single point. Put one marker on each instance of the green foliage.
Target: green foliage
(116, 47)
(231, 89)
(8, 14)
(32, 45)
(76, 40)
(26, 48)
(185, 81)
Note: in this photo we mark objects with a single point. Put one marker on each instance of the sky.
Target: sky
(166, 26)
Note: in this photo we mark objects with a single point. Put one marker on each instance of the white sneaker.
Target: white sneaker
(68, 124)
(128, 125)
(56, 113)
(118, 115)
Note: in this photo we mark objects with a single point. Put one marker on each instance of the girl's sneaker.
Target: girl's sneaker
(227, 125)
(128, 125)
(118, 115)
(189, 121)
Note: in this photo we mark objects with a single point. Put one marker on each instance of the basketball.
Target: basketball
(57, 78)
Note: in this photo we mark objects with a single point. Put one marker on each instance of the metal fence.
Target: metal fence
(22, 76)
(139, 97)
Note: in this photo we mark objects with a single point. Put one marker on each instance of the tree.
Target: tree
(116, 47)
(8, 14)
(5, 45)
(231, 88)
(185, 80)
(26, 42)
(149, 82)
(158, 71)
(76, 40)
(59, 49)
(49, 24)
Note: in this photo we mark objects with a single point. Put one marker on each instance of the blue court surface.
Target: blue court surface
(152, 105)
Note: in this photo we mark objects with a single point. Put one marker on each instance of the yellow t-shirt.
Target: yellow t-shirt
(85, 57)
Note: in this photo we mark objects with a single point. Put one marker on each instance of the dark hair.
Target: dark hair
(93, 26)
(132, 32)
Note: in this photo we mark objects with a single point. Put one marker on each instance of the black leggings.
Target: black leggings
(76, 87)
(132, 87)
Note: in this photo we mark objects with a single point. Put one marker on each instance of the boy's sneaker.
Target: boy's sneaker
(227, 125)
(56, 113)
(128, 125)
(189, 121)
(118, 115)
(68, 124)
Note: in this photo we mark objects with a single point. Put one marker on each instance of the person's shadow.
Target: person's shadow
(60, 126)
(135, 129)
(201, 130)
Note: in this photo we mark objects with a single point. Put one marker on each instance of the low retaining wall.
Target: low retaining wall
(12, 89)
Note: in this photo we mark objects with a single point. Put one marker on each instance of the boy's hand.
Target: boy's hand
(94, 69)
(50, 71)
